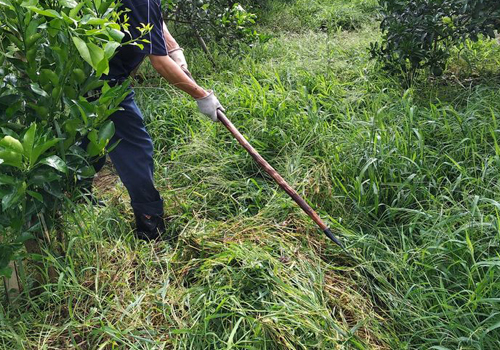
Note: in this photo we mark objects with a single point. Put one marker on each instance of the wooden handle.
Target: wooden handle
(271, 171)
(274, 174)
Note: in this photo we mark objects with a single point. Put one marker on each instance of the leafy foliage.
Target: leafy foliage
(420, 33)
(220, 20)
(52, 56)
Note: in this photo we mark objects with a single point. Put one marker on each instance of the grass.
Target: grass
(407, 177)
(318, 15)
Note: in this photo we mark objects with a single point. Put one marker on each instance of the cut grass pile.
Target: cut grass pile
(408, 178)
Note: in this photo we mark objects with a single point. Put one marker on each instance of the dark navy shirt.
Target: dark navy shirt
(128, 57)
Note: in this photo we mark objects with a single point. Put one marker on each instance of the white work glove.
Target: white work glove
(209, 105)
(178, 56)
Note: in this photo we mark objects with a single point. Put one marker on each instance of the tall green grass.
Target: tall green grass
(318, 15)
(407, 177)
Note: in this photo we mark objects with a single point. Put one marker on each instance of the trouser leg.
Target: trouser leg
(133, 159)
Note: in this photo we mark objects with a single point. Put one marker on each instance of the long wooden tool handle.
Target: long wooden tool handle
(276, 176)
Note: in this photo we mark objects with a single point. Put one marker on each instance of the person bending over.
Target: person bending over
(133, 156)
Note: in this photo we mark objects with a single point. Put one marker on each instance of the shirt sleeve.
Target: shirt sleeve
(149, 12)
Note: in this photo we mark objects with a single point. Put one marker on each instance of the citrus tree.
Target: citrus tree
(52, 54)
(225, 20)
(420, 33)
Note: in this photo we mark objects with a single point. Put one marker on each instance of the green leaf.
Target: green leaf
(48, 75)
(11, 158)
(492, 328)
(74, 12)
(38, 90)
(56, 163)
(233, 333)
(32, 30)
(94, 147)
(12, 144)
(86, 172)
(102, 67)
(115, 34)
(113, 146)
(29, 140)
(5, 271)
(82, 49)
(13, 197)
(94, 21)
(69, 20)
(83, 112)
(97, 56)
(36, 195)
(110, 49)
(48, 13)
(23, 237)
(5, 3)
(69, 3)
(54, 189)
(106, 132)
(96, 53)
(7, 180)
(27, 3)
(56, 23)
(469, 244)
(43, 176)
(41, 149)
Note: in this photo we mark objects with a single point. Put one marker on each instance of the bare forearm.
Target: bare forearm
(171, 42)
(176, 76)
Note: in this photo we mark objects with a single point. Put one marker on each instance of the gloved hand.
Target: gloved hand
(209, 105)
(178, 56)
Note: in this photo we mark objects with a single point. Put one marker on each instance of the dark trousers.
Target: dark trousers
(133, 158)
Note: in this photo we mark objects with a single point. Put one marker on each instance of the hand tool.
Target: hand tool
(274, 174)
(277, 177)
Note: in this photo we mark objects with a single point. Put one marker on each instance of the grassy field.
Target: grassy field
(408, 178)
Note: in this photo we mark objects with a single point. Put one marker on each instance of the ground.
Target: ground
(407, 177)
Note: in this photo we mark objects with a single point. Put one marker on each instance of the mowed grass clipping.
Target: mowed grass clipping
(407, 177)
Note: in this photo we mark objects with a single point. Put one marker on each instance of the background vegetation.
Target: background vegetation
(420, 33)
(407, 177)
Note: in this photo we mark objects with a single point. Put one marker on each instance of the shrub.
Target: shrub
(221, 20)
(420, 33)
(52, 54)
